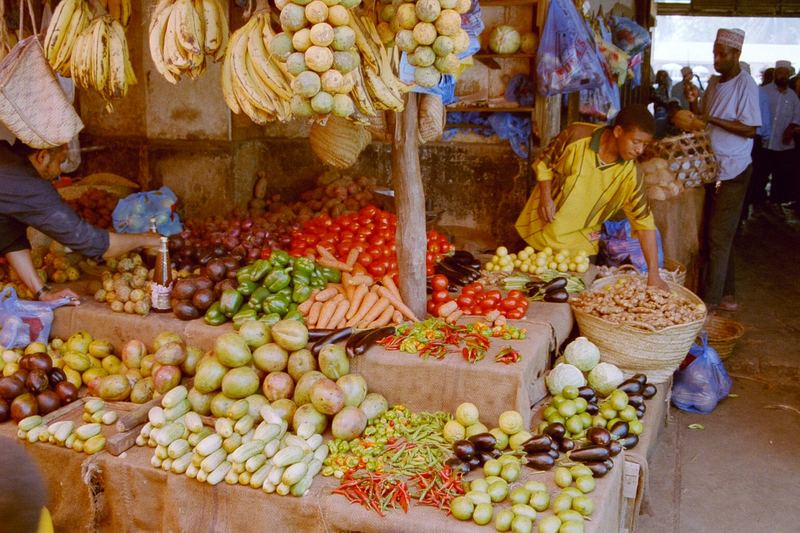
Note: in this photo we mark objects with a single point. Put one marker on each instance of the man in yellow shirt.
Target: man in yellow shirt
(584, 176)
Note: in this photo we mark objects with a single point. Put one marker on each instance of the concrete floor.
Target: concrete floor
(738, 474)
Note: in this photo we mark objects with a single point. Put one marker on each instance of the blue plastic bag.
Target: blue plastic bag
(620, 246)
(133, 213)
(628, 35)
(700, 386)
(567, 58)
(25, 321)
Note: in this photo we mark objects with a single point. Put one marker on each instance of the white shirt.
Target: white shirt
(784, 109)
(735, 99)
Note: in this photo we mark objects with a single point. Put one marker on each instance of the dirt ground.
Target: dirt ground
(738, 473)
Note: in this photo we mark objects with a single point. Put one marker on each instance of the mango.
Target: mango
(100, 349)
(112, 364)
(114, 388)
(77, 361)
(142, 392)
(92, 373)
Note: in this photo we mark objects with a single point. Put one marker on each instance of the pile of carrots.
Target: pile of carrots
(358, 301)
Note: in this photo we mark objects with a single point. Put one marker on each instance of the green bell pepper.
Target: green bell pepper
(247, 287)
(331, 275)
(292, 306)
(243, 316)
(317, 281)
(270, 319)
(260, 269)
(258, 297)
(294, 315)
(301, 293)
(304, 266)
(279, 258)
(243, 274)
(230, 302)
(214, 316)
(299, 278)
(277, 303)
(278, 279)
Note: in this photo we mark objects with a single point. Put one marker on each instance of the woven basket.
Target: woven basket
(641, 349)
(723, 334)
(676, 270)
(431, 117)
(689, 155)
(32, 104)
(338, 142)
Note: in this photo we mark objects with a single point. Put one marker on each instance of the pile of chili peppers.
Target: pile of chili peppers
(436, 338)
(382, 492)
(507, 355)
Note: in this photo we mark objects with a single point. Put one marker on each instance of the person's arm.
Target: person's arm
(22, 263)
(647, 239)
(547, 208)
(120, 243)
(733, 126)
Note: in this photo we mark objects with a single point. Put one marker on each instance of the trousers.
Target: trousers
(723, 208)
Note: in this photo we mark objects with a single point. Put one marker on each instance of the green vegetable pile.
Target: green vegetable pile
(270, 290)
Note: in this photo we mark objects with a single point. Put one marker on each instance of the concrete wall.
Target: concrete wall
(185, 137)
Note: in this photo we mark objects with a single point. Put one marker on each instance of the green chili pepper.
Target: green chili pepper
(230, 302)
(332, 275)
(278, 279)
(214, 316)
(243, 316)
(247, 287)
(243, 274)
(270, 319)
(277, 303)
(279, 258)
(259, 269)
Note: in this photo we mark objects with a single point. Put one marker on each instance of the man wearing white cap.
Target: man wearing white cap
(730, 106)
(679, 89)
(783, 111)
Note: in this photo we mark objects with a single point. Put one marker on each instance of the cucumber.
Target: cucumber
(147, 428)
(305, 430)
(302, 486)
(78, 445)
(62, 430)
(294, 473)
(321, 453)
(237, 409)
(174, 397)
(315, 441)
(70, 440)
(197, 459)
(191, 471)
(246, 451)
(21, 434)
(232, 443)
(275, 474)
(288, 456)
(219, 473)
(174, 413)
(94, 444)
(178, 448)
(237, 468)
(272, 448)
(255, 462)
(267, 432)
(169, 433)
(283, 489)
(294, 440)
(193, 422)
(181, 464)
(155, 462)
(244, 478)
(244, 424)
(195, 438)
(202, 476)
(30, 422)
(140, 441)
(208, 445)
(166, 464)
(97, 417)
(232, 478)
(87, 431)
(224, 426)
(268, 487)
(211, 462)
(93, 405)
(157, 417)
(161, 452)
(258, 477)
(33, 435)
(270, 415)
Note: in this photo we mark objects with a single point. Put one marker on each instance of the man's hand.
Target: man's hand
(547, 209)
(55, 295)
(654, 280)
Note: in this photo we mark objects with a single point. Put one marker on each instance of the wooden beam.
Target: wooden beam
(410, 204)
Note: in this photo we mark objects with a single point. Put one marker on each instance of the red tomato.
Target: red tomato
(495, 293)
(376, 240)
(428, 270)
(516, 295)
(431, 307)
(476, 287)
(467, 292)
(433, 247)
(439, 282)
(509, 304)
(465, 301)
(364, 259)
(376, 270)
(516, 314)
(440, 296)
(374, 251)
(487, 305)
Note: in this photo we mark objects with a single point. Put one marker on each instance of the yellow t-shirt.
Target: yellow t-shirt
(586, 192)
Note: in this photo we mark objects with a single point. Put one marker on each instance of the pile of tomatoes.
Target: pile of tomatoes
(475, 300)
(371, 230)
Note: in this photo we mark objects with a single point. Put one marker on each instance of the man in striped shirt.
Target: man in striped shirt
(585, 176)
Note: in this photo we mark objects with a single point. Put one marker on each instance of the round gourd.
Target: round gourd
(425, 33)
(319, 58)
(322, 103)
(306, 84)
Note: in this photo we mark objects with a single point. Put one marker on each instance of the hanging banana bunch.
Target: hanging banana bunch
(254, 82)
(183, 32)
(119, 9)
(69, 19)
(100, 59)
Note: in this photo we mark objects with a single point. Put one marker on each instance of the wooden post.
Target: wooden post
(410, 204)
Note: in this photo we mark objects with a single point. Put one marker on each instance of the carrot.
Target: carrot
(338, 313)
(352, 257)
(366, 304)
(446, 309)
(383, 319)
(334, 263)
(455, 315)
(306, 306)
(313, 313)
(358, 268)
(326, 313)
(362, 279)
(388, 282)
(327, 294)
(358, 296)
(375, 311)
(341, 324)
(348, 287)
(398, 303)
(397, 317)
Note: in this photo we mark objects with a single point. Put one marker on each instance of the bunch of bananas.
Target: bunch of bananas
(377, 85)
(100, 59)
(183, 32)
(119, 9)
(253, 82)
(69, 19)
